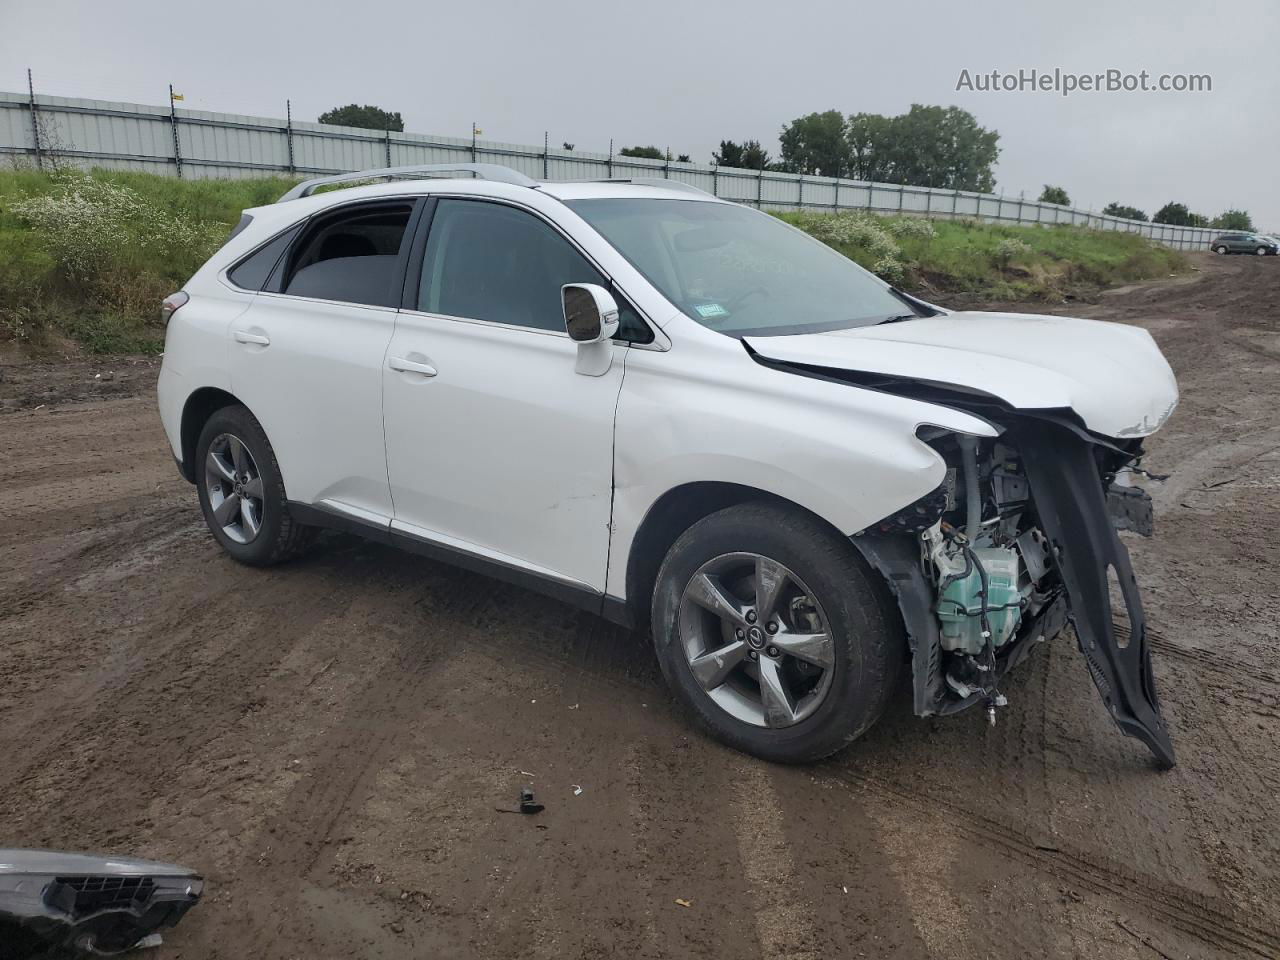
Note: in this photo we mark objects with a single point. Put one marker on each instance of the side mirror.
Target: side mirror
(591, 319)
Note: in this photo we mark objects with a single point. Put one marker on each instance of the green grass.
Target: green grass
(998, 262)
(114, 306)
(171, 226)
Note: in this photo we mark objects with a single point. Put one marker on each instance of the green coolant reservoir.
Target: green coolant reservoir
(960, 605)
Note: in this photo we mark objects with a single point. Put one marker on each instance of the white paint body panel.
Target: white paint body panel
(317, 391)
(505, 448)
(509, 454)
(1112, 375)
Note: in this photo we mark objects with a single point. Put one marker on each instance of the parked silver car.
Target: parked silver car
(1245, 243)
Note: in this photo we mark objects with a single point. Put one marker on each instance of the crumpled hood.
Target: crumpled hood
(1112, 375)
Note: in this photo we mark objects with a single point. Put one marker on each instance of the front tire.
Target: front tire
(1262, 251)
(241, 491)
(773, 631)
(1220, 250)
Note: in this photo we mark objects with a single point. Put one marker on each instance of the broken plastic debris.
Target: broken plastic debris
(577, 790)
(683, 902)
(526, 773)
(51, 896)
(150, 940)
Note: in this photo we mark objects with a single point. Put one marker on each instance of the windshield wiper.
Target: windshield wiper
(899, 318)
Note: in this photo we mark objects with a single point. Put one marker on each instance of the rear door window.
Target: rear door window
(252, 272)
(351, 256)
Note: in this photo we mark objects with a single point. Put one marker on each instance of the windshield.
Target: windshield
(740, 272)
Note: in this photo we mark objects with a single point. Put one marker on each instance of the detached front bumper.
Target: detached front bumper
(1073, 511)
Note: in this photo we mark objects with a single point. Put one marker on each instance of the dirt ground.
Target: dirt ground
(329, 741)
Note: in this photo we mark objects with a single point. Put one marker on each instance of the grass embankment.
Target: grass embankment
(88, 257)
(990, 261)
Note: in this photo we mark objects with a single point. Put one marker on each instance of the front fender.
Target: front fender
(847, 454)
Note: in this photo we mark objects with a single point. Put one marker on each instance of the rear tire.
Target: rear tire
(1220, 250)
(828, 592)
(241, 492)
(1261, 251)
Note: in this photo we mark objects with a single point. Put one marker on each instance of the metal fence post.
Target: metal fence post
(666, 166)
(759, 184)
(546, 145)
(288, 133)
(35, 123)
(800, 194)
(609, 162)
(835, 204)
(387, 141)
(902, 189)
(473, 141)
(715, 179)
(173, 125)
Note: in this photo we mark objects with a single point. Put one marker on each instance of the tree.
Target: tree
(683, 158)
(942, 147)
(647, 153)
(1176, 214)
(748, 155)
(816, 144)
(1233, 220)
(368, 117)
(1197, 220)
(1120, 210)
(869, 137)
(1055, 195)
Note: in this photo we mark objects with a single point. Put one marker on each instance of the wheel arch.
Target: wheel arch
(200, 406)
(672, 514)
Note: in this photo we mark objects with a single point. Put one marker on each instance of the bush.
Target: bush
(90, 255)
(990, 261)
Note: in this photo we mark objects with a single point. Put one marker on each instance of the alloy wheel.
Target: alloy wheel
(235, 488)
(756, 640)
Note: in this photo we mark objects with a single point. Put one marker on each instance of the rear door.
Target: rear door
(495, 445)
(306, 357)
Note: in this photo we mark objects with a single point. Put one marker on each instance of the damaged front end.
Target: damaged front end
(1018, 541)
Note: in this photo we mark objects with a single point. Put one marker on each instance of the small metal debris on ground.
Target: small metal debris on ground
(526, 773)
(684, 903)
(528, 804)
(577, 790)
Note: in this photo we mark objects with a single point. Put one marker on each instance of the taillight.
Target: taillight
(169, 306)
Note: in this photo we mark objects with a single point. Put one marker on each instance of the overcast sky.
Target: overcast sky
(687, 74)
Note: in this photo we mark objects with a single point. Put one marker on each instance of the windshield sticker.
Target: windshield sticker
(709, 310)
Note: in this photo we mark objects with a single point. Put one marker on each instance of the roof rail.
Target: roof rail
(482, 171)
(655, 182)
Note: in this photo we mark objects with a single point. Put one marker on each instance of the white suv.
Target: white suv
(677, 411)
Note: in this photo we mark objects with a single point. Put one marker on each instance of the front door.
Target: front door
(494, 444)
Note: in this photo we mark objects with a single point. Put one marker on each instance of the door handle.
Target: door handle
(243, 336)
(411, 366)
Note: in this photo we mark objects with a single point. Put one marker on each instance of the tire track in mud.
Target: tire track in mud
(1205, 918)
(1245, 674)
